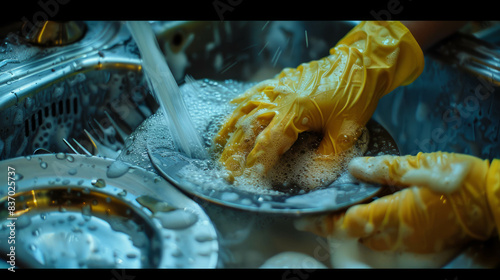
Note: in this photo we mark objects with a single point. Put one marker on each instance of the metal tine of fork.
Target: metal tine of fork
(93, 141)
(99, 148)
(70, 146)
(108, 134)
(96, 132)
(120, 131)
(81, 147)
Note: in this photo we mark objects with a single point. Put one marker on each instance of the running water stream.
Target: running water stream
(166, 91)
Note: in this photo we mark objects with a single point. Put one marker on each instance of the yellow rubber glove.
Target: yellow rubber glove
(335, 96)
(447, 200)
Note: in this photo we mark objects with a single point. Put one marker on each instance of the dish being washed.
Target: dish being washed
(208, 104)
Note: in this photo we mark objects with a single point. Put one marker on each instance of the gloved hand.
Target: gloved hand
(335, 96)
(447, 200)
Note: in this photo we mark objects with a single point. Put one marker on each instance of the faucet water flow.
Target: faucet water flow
(166, 91)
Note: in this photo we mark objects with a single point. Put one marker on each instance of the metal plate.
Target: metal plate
(340, 194)
(74, 211)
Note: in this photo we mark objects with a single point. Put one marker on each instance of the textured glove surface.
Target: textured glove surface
(335, 96)
(447, 200)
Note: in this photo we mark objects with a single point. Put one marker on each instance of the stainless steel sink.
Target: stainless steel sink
(453, 106)
(51, 93)
(48, 93)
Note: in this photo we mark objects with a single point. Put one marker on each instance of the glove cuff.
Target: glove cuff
(392, 56)
(493, 191)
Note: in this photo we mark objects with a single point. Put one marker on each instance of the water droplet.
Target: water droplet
(72, 171)
(76, 230)
(18, 177)
(203, 237)
(43, 164)
(176, 252)
(36, 232)
(86, 212)
(99, 183)
(122, 193)
(70, 158)
(229, 196)
(176, 219)
(131, 255)
(154, 205)
(61, 156)
(32, 247)
(117, 169)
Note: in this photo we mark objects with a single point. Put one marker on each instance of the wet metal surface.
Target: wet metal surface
(74, 211)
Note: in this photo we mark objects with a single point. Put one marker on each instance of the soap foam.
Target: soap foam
(301, 168)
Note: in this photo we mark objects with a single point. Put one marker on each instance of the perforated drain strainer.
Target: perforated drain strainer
(75, 211)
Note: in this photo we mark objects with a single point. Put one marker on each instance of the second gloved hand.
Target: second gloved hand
(447, 200)
(334, 96)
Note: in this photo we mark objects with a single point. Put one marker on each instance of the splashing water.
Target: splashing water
(166, 91)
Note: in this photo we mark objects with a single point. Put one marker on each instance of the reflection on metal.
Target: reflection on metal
(56, 33)
(471, 54)
(49, 93)
(64, 219)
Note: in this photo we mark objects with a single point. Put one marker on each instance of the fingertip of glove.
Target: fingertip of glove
(360, 167)
(357, 161)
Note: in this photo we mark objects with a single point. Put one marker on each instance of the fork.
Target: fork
(101, 145)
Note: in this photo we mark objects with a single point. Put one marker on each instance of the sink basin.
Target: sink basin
(48, 94)
(95, 87)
